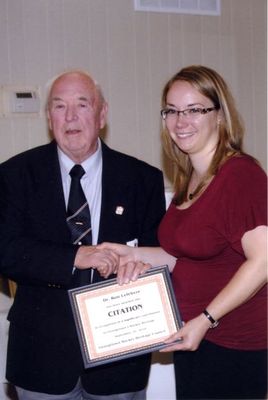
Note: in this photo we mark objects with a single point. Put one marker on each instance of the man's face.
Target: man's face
(75, 115)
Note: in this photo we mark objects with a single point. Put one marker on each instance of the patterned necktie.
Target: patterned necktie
(78, 214)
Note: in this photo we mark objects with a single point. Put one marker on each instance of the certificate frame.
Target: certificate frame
(115, 321)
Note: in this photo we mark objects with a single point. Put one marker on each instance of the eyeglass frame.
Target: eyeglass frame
(199, 110)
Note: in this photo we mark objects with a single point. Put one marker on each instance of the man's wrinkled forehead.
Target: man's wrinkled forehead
(77, 84)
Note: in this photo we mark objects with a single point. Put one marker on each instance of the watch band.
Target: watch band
(214, 322)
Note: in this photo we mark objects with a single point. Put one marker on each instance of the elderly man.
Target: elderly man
(43, 249)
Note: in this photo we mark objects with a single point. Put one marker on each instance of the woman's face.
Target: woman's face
(193, 132)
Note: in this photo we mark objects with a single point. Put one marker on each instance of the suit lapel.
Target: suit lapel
(49, 191)
(114, 192)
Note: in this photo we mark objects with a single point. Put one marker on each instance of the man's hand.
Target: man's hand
(105, 261)
(129, 267)
(126, 253)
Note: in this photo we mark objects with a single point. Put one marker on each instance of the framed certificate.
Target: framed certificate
(115, 322)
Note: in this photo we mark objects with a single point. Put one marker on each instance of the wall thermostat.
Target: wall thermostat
(24, 102)
(20, 100)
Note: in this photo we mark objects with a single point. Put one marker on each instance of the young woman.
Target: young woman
(214, 238)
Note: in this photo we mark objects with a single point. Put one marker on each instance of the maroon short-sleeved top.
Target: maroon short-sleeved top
(206, 239)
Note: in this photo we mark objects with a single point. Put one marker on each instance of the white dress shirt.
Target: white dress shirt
(90, 182)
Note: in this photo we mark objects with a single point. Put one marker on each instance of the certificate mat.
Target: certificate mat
(115, 322)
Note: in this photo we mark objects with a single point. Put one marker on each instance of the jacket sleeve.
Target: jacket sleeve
(152, 196)
(26, 256)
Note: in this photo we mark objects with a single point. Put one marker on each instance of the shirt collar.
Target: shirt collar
(90, 165)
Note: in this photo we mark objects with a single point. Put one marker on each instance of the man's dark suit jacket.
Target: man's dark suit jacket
(43, 350)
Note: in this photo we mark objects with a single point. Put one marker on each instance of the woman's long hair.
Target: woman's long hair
(231, 130)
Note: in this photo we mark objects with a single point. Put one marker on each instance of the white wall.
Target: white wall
(132, 54)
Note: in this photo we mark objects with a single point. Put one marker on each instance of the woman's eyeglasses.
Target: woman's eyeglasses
(188, 113)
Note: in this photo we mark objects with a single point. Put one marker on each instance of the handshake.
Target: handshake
(112, 258)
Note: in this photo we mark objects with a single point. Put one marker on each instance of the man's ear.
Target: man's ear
(103, 115)
(48, 119)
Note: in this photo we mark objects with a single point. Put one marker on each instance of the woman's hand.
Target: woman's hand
(126, 253)
(189, 336)
(129, 267)
(104, 260)
(131, 271)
